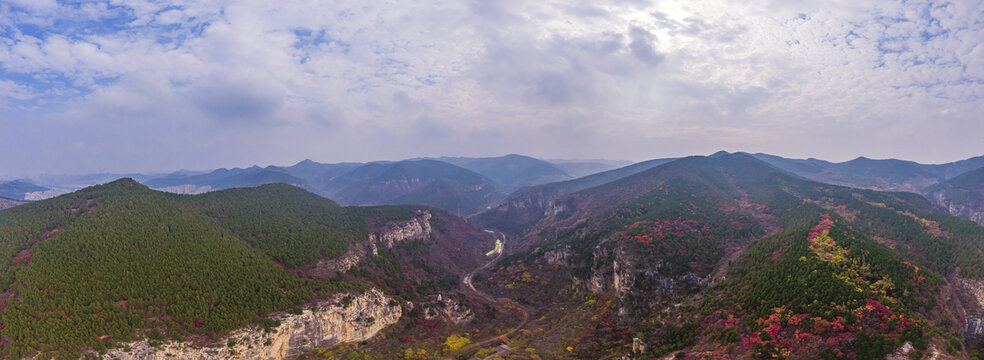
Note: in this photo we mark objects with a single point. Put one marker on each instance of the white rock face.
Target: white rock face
(957, 209)
(902, 353)
(187, 189)
(974, 317)
(43, 195)
(418, 227)
(329, 323)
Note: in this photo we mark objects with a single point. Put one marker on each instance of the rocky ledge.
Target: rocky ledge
(345, 318)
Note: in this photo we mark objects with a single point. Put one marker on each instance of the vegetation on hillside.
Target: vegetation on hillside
(120, 262)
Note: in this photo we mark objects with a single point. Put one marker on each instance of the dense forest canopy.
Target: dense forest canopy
(119, 262)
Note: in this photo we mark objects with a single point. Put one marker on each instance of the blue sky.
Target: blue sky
(123, 86)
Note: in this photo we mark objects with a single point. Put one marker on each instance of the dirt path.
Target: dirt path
(499, 304)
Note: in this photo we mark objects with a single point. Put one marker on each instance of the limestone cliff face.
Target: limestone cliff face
(418, 228)
(964, 210)
(974, 306)
(448, 309)
(6, 204)
(325, 324)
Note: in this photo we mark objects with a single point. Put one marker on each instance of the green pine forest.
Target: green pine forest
(120, 262)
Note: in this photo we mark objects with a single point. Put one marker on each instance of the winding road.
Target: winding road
(499, 304)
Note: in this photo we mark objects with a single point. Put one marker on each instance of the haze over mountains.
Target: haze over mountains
(731, 255)
(468, 186)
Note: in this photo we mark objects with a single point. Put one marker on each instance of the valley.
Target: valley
(703, 257)
(491, 180)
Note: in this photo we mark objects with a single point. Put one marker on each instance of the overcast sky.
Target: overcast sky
(138, 85)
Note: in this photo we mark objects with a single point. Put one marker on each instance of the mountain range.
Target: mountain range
(512, 181)
(726, 256)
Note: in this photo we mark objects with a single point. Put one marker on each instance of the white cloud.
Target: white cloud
(357, 80)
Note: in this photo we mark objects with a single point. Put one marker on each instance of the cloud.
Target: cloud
(237, 97)
(642, 47)
(274, 82)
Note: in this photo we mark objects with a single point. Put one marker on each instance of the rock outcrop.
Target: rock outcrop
(974, 306)
(345, 318)
(7, 203)
(956, 208)
(417, 228)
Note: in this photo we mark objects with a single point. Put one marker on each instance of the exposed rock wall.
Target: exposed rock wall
(325, 324)
(6, 204)
(418, 228)
(974, 317)
(966, 211)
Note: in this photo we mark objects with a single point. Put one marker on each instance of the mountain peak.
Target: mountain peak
(123, 182)
(719, 154)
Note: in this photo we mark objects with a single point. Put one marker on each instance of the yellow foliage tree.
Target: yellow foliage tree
(419, 354)
(455, 342)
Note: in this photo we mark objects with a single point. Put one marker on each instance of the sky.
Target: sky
(139, 85)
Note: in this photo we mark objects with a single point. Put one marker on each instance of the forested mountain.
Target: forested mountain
(528, 205)
(425, 182)
(729, 257)
(319, 175)
(579, 169)
(888, 174)
(724, 256)
(512, 172)
(20, 190)
(120, 262)
(962, 196)
(953, 169)
(224, 179)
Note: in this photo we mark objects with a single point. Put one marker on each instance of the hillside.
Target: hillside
(224, 179)
(953, 169)
(424, 182)
(512, 172)
(578, 169)
(20, 190)
(862, 173)
(319, 175)
(729, 257)
(528, 205)
(119, 262)
(961, 196)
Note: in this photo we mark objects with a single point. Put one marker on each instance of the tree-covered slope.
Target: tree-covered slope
(121, 262)
(729, 257)
(226, 179)
(424, 182)
(512, 172)
(528, 205)
(961, 196)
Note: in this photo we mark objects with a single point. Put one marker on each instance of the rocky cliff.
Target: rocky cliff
(417, 228)
(519, 212)
(966, 210)
(345, 318)
(7, 203)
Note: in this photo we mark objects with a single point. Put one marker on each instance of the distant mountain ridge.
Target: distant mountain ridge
(512, 171)
(425, 182)
(516, 179)
(225, 179)
(458, 184)
(21, 190)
